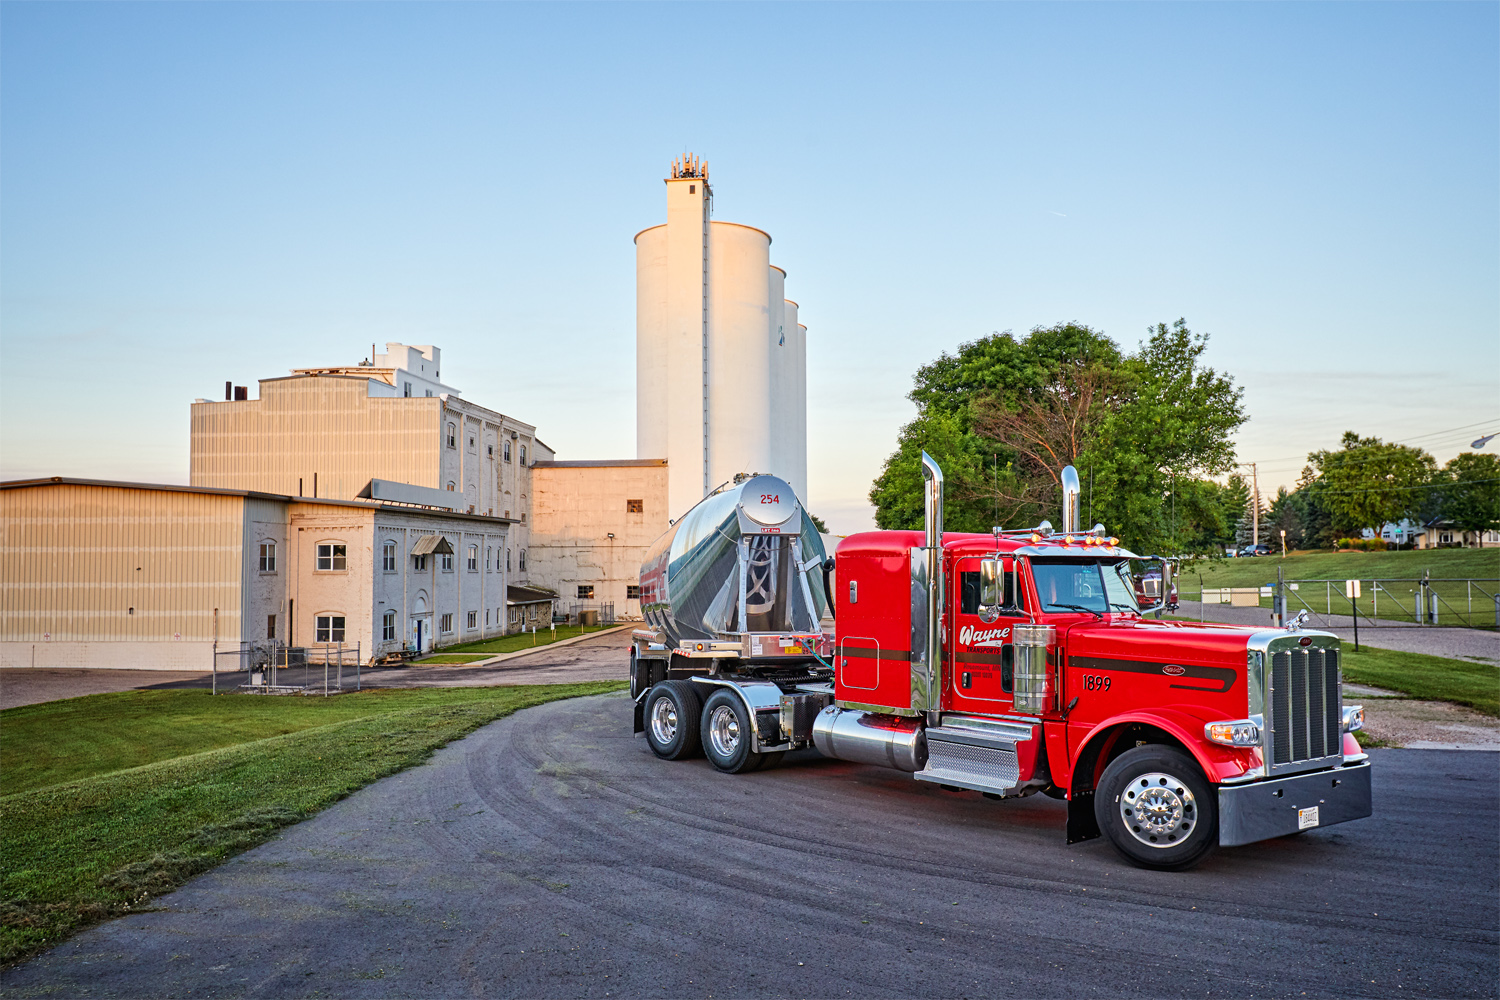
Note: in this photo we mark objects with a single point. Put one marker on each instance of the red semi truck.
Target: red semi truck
(1006, 663)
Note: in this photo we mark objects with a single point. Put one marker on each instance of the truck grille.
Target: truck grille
(1306, 706)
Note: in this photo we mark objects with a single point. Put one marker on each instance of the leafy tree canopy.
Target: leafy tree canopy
(1468, 492)
(1005, 414)
(1367, 482)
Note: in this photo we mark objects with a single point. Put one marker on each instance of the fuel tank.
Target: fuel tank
(745, 559)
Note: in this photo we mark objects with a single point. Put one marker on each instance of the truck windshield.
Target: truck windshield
(1083, 585)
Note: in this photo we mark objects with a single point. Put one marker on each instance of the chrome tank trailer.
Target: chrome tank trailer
(746, 559)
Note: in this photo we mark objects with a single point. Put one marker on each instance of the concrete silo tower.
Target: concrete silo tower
(721, 385)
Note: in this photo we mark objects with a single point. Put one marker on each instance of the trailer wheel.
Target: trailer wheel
(671, 717)
(1157, 809)
(726, 735)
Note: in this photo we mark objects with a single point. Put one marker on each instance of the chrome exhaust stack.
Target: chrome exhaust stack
(927, 589)
(1072, 495)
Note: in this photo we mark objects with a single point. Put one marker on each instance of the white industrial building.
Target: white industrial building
(721, 361)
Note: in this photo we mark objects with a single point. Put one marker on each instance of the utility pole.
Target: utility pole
(1255, 519)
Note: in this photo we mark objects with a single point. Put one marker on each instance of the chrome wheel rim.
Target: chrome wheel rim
(724, 731)
(1158, 809)
(663, 720)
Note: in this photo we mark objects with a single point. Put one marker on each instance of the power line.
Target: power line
(1398, 489)
(1406, 440)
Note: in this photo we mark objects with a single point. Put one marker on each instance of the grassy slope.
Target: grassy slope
(89, 840)
(1433, 678)
(523, 640)
(1444, 563)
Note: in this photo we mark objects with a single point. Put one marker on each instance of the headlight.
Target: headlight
(1354, 718)
(1243, 733)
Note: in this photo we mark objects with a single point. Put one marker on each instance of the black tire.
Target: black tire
(671, 717)
(726, 735)
(1157, 809)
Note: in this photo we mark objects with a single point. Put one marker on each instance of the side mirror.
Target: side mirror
(989, 590)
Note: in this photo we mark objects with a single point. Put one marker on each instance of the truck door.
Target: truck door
(982, 658)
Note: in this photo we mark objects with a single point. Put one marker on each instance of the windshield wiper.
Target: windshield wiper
(1076, 607)
(1125, 607)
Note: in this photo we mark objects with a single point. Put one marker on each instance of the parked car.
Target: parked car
(1256, 550)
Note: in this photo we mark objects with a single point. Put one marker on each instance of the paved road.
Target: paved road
(603, 658)
(1455, 643)
(550, 855)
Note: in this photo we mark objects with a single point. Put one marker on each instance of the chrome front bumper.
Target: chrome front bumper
(1280, 806)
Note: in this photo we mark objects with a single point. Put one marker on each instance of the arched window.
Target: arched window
(452, 435)
(328, 627)
(507, 560)
(523, 454)
(451, 486)
(388, 627)
(507, 451)
(522, 564)
(473, 559)
(268, 557)
(388, 558)
(489, 556)
(333, 557)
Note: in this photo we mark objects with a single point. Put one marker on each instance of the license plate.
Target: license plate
(1307, 818)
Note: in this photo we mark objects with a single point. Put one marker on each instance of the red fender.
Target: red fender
(1217, 762)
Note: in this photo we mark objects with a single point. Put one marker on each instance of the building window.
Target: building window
(445, 624)
(270, 626)
(419, 563)
(507, 560)
(332, 557)
(522, 564)
(268, 557)
(388, 627)
(486, 617)
(471, 442)
(523, 454)
(330, 628)
(585, 592)
(635, 506)
(490, 450)
(473, 620)
(632, 592)
(452, 436)
(533, 612)
(388, 557)
(406, 388)
(451, 484)
(429, 392)
(473, 559)
(447, 562)
(506, 456)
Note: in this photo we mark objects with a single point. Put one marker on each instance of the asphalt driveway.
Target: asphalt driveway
(551, 855)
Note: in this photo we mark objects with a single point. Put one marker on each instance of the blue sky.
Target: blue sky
(195, 193)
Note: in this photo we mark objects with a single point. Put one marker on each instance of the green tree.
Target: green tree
(1367, 483)
(1469, 494)
(1144, 431)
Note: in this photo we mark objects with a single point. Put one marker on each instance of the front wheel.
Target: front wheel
(671, 717)
(1157, 809)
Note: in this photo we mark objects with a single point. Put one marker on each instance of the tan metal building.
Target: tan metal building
(132, 575)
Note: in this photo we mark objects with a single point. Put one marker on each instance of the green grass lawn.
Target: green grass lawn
(1434, 678)
(514, 643)
(111, 799)
(1394, 602)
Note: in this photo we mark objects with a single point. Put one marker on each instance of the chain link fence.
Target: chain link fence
(1467, 602)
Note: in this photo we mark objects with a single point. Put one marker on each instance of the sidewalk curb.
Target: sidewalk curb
(500, 658)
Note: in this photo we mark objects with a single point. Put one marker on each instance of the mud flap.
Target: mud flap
(1081, 822)
(640, 714)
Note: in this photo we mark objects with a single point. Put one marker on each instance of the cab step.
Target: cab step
(977, 754)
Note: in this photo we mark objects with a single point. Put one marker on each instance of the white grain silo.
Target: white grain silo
(720, 385)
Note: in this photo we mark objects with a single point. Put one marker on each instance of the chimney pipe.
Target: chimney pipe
(228, 391)
(1071, 495)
